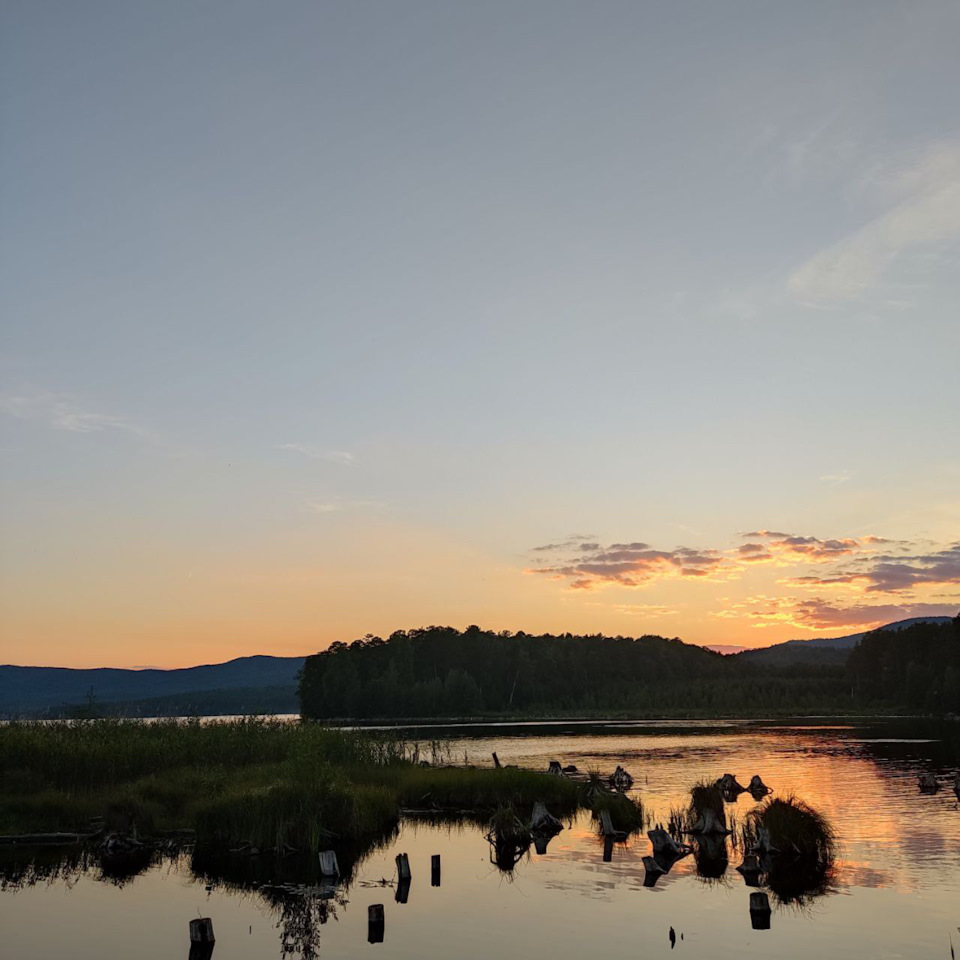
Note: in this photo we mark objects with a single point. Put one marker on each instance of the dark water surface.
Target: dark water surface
(895, 891)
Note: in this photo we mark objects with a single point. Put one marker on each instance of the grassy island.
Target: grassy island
(269, 784)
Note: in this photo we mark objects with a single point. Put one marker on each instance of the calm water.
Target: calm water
(895, 892)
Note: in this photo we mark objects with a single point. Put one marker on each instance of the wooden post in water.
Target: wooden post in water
(202, 939)
(403, 866)
(435, 870)
(201, 931)
(496, 760)
(759, 911)
(375, 923)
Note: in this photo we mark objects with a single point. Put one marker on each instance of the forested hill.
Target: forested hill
(440, 671)
(35, 689)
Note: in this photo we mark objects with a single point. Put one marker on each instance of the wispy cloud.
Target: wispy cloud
(338, 504)
(61, 411)
(314, 452)
(923, 212)
(834, 479)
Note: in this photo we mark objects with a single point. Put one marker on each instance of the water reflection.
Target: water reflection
(894, 843)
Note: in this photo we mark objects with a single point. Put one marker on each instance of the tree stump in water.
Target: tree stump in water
(710, 823)
(620, 779)
(663, 843)
(328, 864)
(543, 822)
(729, 787)
(758, 788)
(652, 871)
(555, 768)
(928, 783)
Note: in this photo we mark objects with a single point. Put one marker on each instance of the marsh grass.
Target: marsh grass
(794, 827)
(264, 782)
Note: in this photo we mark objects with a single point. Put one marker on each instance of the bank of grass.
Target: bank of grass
(265, 782)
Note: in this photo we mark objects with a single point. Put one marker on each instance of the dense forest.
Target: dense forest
(917, 668)
(443, 672)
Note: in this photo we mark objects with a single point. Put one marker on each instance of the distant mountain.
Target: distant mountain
(823, 650)
(32, 690)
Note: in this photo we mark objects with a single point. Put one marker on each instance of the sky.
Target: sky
(325, 319)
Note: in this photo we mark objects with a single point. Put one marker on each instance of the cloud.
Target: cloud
(633, 564)
(892, 574)
(834, 479)
(313, 452)
(62, 412)
(337, 504)
(817, 614)
(925, 213)
(583, 564)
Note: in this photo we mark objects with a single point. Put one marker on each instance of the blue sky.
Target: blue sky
(319, 318)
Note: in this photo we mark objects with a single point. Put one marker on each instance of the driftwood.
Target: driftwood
(710, 823)
(375, 923)
(758, 788)
(328, 864)
(928, 783)
(759, 911)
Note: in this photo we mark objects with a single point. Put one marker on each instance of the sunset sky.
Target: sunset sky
(323, 319)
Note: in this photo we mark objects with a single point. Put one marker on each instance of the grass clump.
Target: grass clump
(706, 797)
(793, 826)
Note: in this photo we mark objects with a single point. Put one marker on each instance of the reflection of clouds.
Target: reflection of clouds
(853, 874)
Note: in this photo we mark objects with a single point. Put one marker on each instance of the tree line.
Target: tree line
(444, 672)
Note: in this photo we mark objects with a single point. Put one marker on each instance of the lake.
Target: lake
(894, 892)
